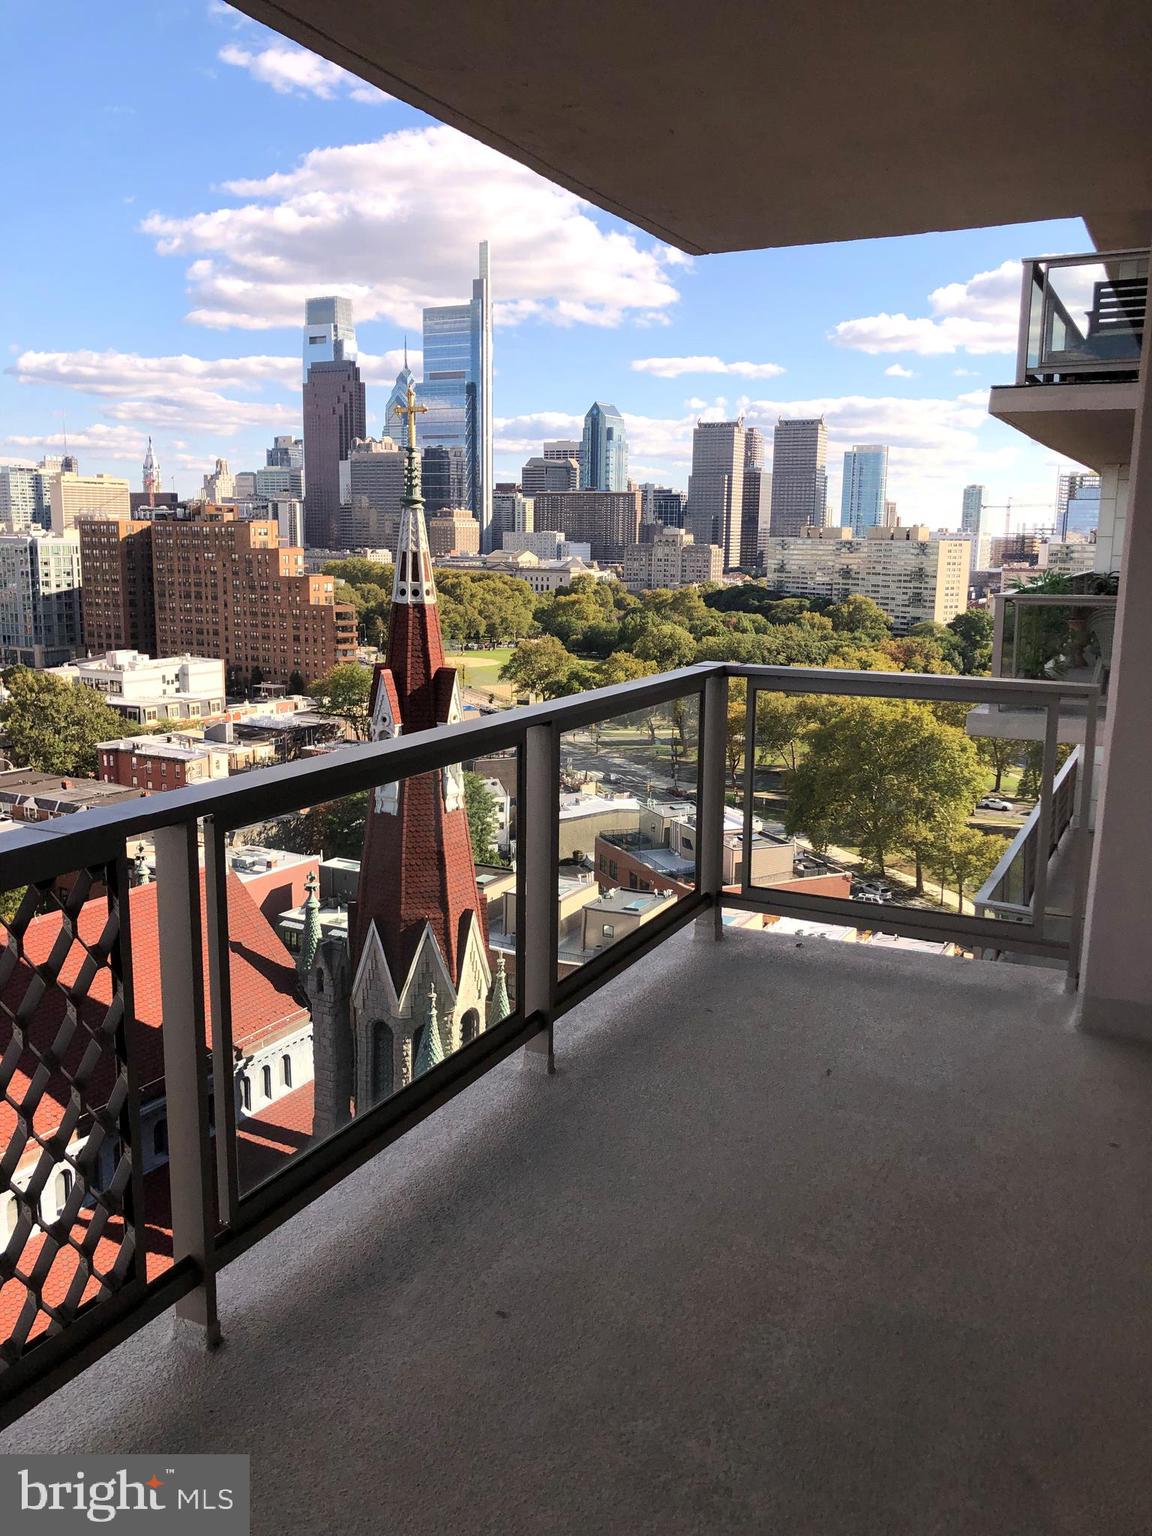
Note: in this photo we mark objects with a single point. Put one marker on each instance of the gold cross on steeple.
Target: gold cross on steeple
(410, 410)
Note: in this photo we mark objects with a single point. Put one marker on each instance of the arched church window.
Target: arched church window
(469, 1026)
(382, 1066)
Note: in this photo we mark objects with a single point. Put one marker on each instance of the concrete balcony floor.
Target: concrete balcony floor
(800, 1238)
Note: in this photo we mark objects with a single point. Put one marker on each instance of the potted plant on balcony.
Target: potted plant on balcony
(1101, 622)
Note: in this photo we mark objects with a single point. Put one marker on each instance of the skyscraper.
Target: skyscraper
(757, 483)
(334, 413)
(716, 487)
(603, 450)
(286, 452)
(970, 518)
(457, 388)
(562, 448)
(220, 485)
(541, 474)
(1077, 502)
(799, 476)
(865, 487)
(393, 422)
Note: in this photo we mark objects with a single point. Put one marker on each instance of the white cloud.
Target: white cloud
(979, 316)
(965, 373)
(676, 367)
(898, 371)
(393, 224)
(294, 71)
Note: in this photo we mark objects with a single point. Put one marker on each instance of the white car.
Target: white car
(870, 898)
(994, 803)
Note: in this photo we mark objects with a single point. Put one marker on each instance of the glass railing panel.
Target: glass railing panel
(1088, 315)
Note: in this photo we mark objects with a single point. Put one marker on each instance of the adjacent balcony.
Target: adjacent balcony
(1078, 360)
(801, 1232)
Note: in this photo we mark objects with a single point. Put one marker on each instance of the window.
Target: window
(245, 1091)
(266, 1081)
(286, 1070)
(608, 930)
(63, 1187)
(613, 869)
(632, 883)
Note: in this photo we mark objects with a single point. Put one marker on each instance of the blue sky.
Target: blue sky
(183, 177)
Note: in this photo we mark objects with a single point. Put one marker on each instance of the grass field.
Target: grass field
(481, 669)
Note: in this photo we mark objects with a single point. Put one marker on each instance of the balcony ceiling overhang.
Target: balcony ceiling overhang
(1091, 423)
(731, 126)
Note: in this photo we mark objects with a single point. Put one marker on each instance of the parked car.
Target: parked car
(884, 890)
(872, 898)
(994, 803)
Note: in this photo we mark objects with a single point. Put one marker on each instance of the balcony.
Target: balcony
(781, 1191)
(1078, 359)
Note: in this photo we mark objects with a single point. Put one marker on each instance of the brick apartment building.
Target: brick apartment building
(607, 520)
(118, 602)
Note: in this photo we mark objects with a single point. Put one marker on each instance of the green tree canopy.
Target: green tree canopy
(860, 616)
(623, 667)
(540, 666)
(963, 857)
(878, 773)
(973, 631)
(53, 725)
(483, 819)
(344, 692)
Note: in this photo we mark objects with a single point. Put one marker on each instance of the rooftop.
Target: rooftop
(926, 1312)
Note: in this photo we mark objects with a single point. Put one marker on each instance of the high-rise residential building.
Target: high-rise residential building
(286, 452)
(289, 515)
(40, 624)
(225, 587)
(799, 476)
(603, 450)
(756, 494)
(562, 448)
(329, 332)
(890, 518)
(1077, 502)
(457, 387)
(74, 496)
(444, 476)
(220, 485)
(371, 488)
(716, 487)
(25, 497)
(454, 531)
(119, 602)
(334, 413)
(971, 517)
(864, 491)
(607, 520)
(512, 512)
(913, 575)
(542, 474)
(671, 558)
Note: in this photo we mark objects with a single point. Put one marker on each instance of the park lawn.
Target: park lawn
(481, 669)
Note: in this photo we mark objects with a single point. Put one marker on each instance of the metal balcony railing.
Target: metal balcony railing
(1009, 892)
(1082, 317)
(1064, 636)
(87, 1254)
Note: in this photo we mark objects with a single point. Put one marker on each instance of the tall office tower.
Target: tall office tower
(40, 622)
(562, 448)
(119, 601)
(371, 488)
(334, 413)
(244, 484)
(607, 520)
(457, 387)
(151, 476)
(890, 518)
(25, 497)
(716, 487)
(540, 475)
(286, 452)
(220, 485)
(603, 450)
(799, 476)
(393, 425)
(329, 334)
(74, 496)
(668, 506)
(416, 976)
(225, 588)
(757, 485)
(512, 512)
(1077, 502)
(865, 487)
(971, 520)
(277, 480)
(444, 472)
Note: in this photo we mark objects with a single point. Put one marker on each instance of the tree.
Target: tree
(782, 719)
(1032, 767)
(623, 667)
(964, 856)
(859, 616)
(999, 754)
(973, 631)
(344, 692)
(541, 666)
(877, 774)
(667, 645)
(483, 819)
(53, 725)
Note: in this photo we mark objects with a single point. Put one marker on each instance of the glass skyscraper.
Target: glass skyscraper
(865, 487)
(457, 389)
(329, 334)
(603, 450)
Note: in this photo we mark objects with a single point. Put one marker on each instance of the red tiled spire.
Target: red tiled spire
(416, 868)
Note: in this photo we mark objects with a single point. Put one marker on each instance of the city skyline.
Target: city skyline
(891, 341)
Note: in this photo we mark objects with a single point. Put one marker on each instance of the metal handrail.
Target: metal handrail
(1065, 802)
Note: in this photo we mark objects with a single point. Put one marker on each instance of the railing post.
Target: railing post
(1082, 832)
(999, 607)
(710, 809)
(1043, 852)
(538, 860)
(190, 1172)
